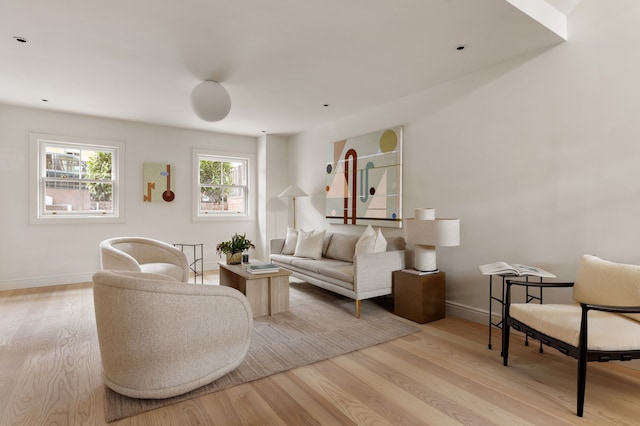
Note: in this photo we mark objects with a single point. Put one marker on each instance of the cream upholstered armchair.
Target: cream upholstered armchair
(143, 255)
(160, 338)
(603, 325)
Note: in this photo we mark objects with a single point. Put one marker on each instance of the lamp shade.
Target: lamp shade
(426, 232)
(210, 101)
(293, 191)
(436, 232)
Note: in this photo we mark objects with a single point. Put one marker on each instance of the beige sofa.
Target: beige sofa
(161, 338)
(339, 269)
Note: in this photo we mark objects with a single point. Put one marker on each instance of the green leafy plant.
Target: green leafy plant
(237, 244)
(99, 168)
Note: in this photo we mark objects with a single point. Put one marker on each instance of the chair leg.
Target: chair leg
(582, 361)
(506, 328)
(506, 331)
(582, 382)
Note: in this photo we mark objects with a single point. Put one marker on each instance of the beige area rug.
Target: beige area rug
(320, 325)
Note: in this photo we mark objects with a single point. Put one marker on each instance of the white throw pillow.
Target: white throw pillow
(381, 243)
(367, 241)
(290, 242)
(309, 244)
(371, 242)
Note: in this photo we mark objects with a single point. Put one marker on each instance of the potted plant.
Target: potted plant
(234, 248)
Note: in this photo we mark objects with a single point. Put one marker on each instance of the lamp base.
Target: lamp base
(425, 258)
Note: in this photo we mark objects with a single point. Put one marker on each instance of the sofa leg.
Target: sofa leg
(357, 309)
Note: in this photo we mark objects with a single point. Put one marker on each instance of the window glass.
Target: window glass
(75, 180)
(222, 185)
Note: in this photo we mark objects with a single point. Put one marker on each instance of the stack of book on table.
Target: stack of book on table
(265, 268)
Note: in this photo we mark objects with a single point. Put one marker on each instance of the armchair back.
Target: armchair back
(139, 254)
(602, 282)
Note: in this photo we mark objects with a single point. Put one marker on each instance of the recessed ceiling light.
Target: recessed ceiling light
(20, 39)
(461, 47)
(44, 100)
(325, 105)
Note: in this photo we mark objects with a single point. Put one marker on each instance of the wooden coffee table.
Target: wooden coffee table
(267, 294)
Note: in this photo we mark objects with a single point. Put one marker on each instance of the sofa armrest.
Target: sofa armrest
(276, 245)
(373, 271)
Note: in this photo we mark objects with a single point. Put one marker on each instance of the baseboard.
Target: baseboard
(33, 282)
(470, 313)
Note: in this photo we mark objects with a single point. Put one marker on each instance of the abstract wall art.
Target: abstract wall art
(158, 180)
(364, 180)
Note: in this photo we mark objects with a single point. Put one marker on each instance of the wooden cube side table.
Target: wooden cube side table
(419, 297)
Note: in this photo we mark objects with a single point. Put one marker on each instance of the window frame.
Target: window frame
(200, 154)
(37, 145)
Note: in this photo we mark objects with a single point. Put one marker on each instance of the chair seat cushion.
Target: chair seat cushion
(169, 269)
(562, 322)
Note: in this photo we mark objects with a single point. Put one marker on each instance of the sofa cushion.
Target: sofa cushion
(313, 277)
(314, 265)
(342, 247)
(290, 241)
(309, 244)
(343, 273)
(396, 243)
(283, 258)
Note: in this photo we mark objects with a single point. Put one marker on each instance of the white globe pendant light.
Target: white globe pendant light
(210, 101)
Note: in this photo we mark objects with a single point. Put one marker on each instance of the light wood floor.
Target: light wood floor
(443, 375)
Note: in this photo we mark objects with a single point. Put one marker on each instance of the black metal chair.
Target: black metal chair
(601, 326)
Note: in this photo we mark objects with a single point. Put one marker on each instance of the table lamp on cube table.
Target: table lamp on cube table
(426, 232)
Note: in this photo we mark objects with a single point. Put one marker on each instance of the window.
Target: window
(221, 189)
(75, 179)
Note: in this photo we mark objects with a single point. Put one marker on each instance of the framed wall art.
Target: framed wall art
(158, 180)
(364, 179)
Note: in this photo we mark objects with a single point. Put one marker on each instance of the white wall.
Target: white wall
(538, 157)
(273, 178)
(35, 255)
(278, 178)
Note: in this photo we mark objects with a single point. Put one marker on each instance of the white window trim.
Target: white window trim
(35, 186)
(195, 190)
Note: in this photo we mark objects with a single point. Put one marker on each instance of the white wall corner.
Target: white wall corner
(545, 13)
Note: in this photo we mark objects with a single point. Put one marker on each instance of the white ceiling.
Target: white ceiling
(280, 60)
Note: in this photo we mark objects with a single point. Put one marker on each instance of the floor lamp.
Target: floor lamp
(293, 191)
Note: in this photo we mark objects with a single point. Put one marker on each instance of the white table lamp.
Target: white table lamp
(293, 191)
(426, 232)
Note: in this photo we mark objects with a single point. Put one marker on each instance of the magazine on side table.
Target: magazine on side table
(503, 268)
(263, 268)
